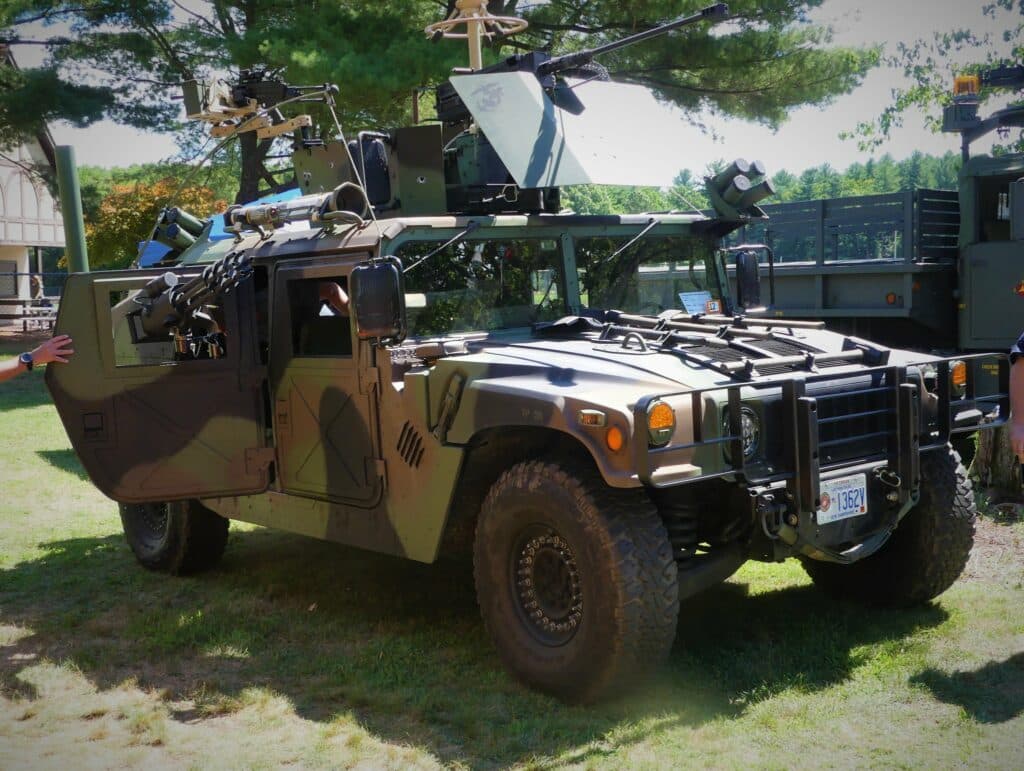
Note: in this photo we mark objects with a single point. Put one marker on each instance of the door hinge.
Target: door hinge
(369, 379)
(258, 460)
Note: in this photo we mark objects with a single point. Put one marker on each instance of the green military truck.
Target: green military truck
(930, 269)
(420, 355)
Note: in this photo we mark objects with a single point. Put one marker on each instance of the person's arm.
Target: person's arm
(1017, 399)
(55, 349)
(335, 296)
(10, 368)
(1017, 408)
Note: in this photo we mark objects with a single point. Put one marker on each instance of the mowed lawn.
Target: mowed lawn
(296, 652)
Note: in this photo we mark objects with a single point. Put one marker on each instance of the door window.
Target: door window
(320, 322)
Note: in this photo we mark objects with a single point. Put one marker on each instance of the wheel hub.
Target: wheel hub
(548, 587)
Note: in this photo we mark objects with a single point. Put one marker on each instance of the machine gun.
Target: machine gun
(547, 69)
(962, 115)
(167, 306)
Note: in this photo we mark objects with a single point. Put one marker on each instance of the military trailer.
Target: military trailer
(581, 403)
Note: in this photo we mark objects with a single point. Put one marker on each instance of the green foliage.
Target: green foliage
(931, 65)
(127, 211)
(767, 60)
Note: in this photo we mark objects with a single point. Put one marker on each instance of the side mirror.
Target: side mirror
(377, 300)
(748, 281)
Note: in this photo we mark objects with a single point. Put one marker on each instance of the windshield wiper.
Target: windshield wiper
(651, 224)
(458, 238)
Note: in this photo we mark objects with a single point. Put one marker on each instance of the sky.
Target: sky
(809, 138)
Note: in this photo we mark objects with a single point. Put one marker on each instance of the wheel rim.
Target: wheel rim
(546, 586)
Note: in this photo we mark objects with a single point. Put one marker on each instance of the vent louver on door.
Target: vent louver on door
(410, 445)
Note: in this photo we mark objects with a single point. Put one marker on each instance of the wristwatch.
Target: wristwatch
(26, 359)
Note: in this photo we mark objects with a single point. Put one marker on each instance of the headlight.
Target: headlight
(661, 423)
(750, 431)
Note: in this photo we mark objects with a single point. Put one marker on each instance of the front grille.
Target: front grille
(857, 422)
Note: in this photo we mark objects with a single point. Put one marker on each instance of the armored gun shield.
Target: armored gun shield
(545, 146)
(148, 420)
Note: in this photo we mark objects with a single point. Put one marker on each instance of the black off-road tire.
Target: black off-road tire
(928, 550)
(601, 574)
(179, 538)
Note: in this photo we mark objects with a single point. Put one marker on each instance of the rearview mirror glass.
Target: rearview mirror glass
(378, 301)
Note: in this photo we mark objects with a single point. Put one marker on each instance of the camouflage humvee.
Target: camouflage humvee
(597, 408)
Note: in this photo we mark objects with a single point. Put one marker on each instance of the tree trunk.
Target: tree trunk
(995, 464)
(252, 168)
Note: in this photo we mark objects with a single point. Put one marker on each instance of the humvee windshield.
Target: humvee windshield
(475, 286)
(654, 274)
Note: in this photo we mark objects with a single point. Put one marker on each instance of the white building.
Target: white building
(29, 216)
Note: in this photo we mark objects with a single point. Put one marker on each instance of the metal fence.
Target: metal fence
(14, 284)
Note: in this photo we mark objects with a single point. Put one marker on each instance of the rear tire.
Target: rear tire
(576, 581)
(179, 538)
(928, 550)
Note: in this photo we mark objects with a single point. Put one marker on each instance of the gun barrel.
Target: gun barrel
(713, 13)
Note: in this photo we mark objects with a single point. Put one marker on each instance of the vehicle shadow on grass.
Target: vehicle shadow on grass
(992, 694)
(65, 460)
(400, 645)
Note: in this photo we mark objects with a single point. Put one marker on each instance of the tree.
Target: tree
(124, 59)
(931, 64)
(126, 214)
(767, 60)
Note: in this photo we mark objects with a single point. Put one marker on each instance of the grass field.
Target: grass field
(301, 653)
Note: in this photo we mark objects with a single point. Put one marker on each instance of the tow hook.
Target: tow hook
(892, 480)
(772, 515)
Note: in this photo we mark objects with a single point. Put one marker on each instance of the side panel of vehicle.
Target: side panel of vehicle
(146, 425)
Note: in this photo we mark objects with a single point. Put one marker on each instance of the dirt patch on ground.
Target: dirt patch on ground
(999, 546)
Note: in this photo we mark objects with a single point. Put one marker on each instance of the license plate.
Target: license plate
(843, 498)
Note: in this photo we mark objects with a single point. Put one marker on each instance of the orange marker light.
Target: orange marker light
(958, 374)
(966, 85)
(891, 298)
(614, 439)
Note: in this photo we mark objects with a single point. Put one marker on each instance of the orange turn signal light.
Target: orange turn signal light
(614, 439)
(958, 374)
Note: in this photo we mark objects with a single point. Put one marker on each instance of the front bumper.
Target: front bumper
(824, 427)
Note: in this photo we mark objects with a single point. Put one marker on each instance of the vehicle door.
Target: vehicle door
(324, 386)
(149, 420)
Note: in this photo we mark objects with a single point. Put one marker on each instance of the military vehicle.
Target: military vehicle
(932, 269)
(421, 355)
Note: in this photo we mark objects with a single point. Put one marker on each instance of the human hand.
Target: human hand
(55, 349)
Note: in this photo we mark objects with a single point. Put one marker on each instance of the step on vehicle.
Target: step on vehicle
(420, 355)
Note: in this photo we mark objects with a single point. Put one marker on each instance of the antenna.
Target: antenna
(479, 23)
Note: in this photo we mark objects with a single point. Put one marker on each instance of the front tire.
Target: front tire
(926, 553)
(179, 538)
(576, 581)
